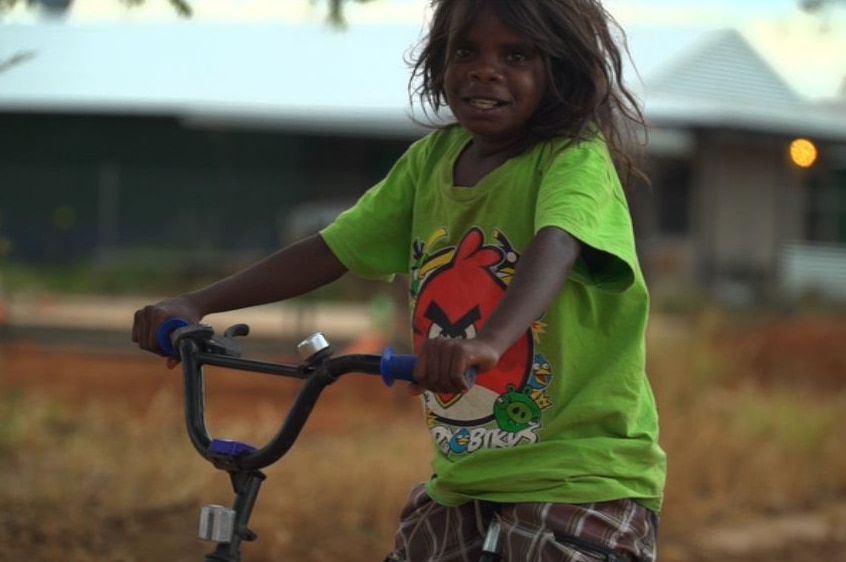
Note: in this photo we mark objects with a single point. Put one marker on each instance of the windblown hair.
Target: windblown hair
(578, 40)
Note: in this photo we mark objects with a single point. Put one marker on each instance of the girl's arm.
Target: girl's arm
(294, 270)
(442, 361)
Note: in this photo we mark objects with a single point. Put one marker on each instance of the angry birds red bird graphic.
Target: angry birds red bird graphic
(455, 300)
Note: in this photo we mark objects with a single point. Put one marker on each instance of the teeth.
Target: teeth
(483, 104)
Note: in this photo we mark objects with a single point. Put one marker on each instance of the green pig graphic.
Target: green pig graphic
(515, 411)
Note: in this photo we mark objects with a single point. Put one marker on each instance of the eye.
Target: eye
(517, 57)
(435, 331)
(461, 53)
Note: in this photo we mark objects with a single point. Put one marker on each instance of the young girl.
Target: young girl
(513, 229)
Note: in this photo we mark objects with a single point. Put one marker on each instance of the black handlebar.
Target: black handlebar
(197, 346)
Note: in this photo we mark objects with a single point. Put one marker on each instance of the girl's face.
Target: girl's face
(494, 79)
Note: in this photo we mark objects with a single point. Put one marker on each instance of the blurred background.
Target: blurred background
(148, 147)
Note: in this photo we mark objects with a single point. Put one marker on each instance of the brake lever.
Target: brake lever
(226, 344)
(203, 335)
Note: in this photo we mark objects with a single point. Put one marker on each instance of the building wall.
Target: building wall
(73, 187)
(720, 216)
(663, 215)
(717, 216)
(748, 205)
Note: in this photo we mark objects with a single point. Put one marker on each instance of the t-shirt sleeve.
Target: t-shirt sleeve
(373, 237)
(581, 193)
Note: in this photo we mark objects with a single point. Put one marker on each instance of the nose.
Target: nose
(486, 69)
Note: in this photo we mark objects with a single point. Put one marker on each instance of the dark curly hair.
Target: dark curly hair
(583, 48)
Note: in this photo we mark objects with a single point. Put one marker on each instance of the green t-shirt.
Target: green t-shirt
(568, 414)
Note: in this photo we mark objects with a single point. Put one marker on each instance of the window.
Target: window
(672, 187)
(826, 210)
(840, 206)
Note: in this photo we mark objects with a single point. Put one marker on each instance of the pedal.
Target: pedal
(217, 523)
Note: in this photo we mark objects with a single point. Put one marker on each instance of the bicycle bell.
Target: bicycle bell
(314, 348)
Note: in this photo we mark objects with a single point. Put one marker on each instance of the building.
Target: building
(731, 210)
(208, 143)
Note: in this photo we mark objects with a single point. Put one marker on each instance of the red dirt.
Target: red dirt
(133, 381)
(810, 353)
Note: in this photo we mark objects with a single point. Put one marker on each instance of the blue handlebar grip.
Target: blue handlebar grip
(164, 332)
(470, 376)
(393, 367)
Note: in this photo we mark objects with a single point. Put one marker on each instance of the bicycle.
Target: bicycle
(197, 346)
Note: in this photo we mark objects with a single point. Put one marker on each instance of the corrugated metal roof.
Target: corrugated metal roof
(723, 67)
(311, 77)
(160, 65)
(719, 80)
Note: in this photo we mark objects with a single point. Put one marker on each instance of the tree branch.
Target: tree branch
(16, 59)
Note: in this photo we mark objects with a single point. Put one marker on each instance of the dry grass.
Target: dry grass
(99, 483)
(737, 448)
(96, 482)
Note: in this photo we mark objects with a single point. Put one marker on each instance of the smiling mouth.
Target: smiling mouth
(485, 103)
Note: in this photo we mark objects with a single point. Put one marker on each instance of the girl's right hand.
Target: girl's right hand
(442, 363)
(148, 319)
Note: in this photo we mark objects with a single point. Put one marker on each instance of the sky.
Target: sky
(662, 11)
(803, 48)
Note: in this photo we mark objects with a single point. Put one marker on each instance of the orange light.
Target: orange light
(803, 153)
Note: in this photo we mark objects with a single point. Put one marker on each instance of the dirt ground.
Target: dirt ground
(134, 380)
(134, 383)
(808, 352)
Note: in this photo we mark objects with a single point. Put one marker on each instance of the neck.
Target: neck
(487, 150)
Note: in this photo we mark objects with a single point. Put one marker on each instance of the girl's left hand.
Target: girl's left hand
(443, 362)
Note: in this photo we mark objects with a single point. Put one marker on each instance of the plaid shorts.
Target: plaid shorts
(614, 531)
